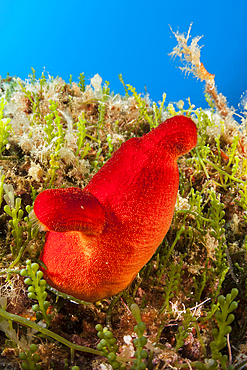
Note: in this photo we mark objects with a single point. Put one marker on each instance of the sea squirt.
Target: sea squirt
(100, 237)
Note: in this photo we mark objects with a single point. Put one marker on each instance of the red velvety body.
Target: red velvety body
(94, 255)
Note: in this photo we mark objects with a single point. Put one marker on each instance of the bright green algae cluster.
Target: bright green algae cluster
(55, 134)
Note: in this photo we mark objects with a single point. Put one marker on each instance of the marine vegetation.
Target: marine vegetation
(187, 306)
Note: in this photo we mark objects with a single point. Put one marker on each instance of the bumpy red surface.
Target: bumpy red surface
(100, 237)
